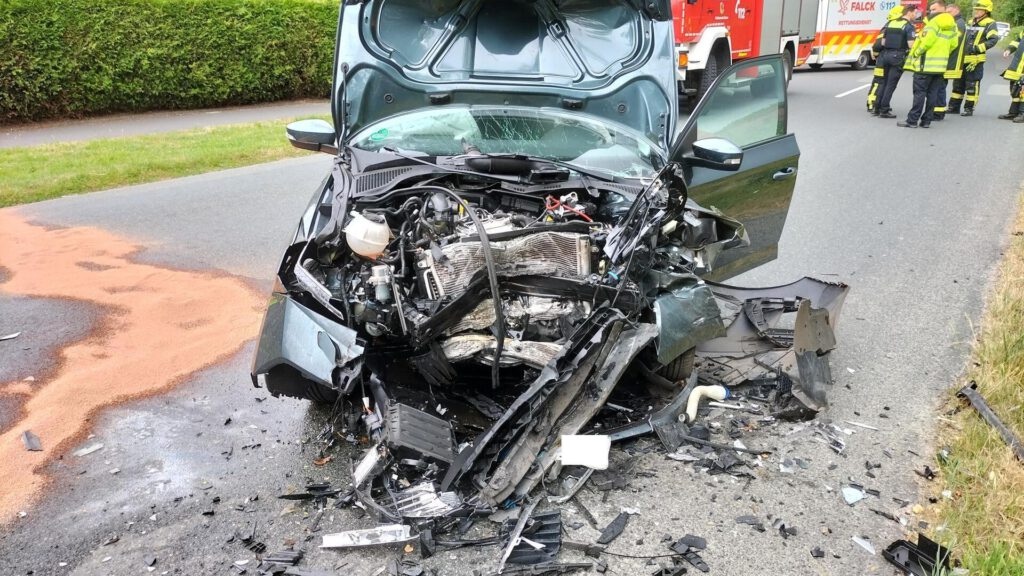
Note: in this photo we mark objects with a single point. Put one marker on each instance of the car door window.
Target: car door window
(747, 107)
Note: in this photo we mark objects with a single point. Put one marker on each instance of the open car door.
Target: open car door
(742, 118)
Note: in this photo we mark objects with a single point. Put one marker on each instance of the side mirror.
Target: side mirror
(717, 154)
(315, 135)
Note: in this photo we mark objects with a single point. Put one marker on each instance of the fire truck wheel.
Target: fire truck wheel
(787, 61)
(863, 61)
(707, 78)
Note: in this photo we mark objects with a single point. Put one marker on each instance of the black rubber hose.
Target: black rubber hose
(492, 276)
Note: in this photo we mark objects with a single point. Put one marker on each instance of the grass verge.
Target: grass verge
(35, 173)
(984, 520)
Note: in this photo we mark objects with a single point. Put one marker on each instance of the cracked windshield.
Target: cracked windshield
(571, 138)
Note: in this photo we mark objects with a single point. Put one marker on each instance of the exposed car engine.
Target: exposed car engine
(475, 318)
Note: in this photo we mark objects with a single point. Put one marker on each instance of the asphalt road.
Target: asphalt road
(913, 220)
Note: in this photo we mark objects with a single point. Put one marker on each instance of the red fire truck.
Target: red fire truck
(712, 34)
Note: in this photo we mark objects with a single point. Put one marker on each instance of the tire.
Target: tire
(787, 61)
(863, 61)
(284, 380)
(815, 66)
(708, 76)
(680, 368)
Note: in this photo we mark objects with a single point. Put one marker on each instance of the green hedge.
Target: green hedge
(68, 58)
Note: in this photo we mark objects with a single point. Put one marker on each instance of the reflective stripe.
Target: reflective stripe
(854, 44)
(829, 46)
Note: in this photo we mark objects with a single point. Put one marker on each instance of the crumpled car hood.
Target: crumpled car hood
(609, 58)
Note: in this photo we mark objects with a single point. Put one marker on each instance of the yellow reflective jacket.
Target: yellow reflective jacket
(982, 35)
(955, 68)
(930, 53)
(1015, 70)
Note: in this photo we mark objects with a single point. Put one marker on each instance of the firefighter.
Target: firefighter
(955, 68)
(879, 80)
(928, 60)
(981, 36)
(897, 37)
(1015, 74)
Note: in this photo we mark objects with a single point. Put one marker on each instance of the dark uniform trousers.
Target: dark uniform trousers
(966, 88)
(926, 94)
(893, 61)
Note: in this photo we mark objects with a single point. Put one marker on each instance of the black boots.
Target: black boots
(1013, 113)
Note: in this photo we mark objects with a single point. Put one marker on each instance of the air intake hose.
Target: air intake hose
(712, 392)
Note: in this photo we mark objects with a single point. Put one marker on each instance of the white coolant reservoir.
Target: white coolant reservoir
(367, 235)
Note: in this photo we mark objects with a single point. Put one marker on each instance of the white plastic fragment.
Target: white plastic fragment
(531, 543)
(864, 544)
(385, 534)
(88, 449)
(10, 336)
(860, 425)
(586, 450)
(852, 495)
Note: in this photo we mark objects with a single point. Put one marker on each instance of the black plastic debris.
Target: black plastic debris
(278, 563)
(31, 441)
(926, 558)
(251, 543)
(313, 492)
(817, 552)
(927, 473)
(784, 530)
(539, 541)
(751, 521)
(415, 434)
(886, 515)
(290, 557)
(592, 550)
(671, 570)
(970, 392)
(696, 561)
(689, 542)
(613, 529)
(539, 569)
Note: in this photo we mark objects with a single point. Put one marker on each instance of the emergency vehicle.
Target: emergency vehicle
(712, 34)
(846, 30)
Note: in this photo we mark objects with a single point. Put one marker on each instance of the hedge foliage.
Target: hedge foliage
(68, 58)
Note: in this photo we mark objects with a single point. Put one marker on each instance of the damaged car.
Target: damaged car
(516, 226)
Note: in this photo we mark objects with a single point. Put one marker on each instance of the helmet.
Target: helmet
(896, 12)
(985, 5)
